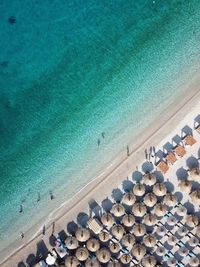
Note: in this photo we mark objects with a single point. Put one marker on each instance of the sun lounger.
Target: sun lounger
(95, 225)
(162, 166)
(189, 140)
(180, 151)
(170, 158)
(181, 244)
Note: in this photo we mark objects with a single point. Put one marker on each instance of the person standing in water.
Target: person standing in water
(21, 208)
(103, 134)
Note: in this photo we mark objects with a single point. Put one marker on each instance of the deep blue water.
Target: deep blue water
(70, 70)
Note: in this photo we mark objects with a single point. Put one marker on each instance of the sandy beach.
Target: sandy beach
(182, 112)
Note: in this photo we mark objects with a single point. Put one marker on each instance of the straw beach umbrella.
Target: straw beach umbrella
(198, 231)
(149, 261)
(150, 199)
(82, 234)
(107, 219)
(193, 242)
(139, 209)
(93, 244)
(125, 258)
(103, 255)
(128, 240)
(181, 211)
(104, 236)
(182, 231)
(92, 262)
(149, 240)
(128, 220)
(71, 261)
(118, 210)
(114, 247)
(185, 186)
(150, 219)
(171, 220)
(139, 229)
(160, 251)
(138, 251)
(192, 220)
(159, 189)
(118, 231)
(170, 199)
(82, 254)
(139, 189)
(114, 264)
(149, 179)
(129, 199)
(160, 209)
(182, 251)
(171, 262)
(194, 175)
(71, 242)
(195, 197)
(161, 230)
(194, 262)
(172, 240)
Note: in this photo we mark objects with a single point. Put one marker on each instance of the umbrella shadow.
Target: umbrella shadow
(42, 250)
(159, 176)
(169, 186)
(95, 208)
(198, 153)
(195, 186)
(127, 185)
(185, 131)
(147, 167)
(52, 239)
(21, 264)
(62, 234)
(197, 121)
(137, 176)
(107, 204)
(72, 227)
(176, 140)
(179, 196)
(82, 219)
(167, 147)
(117, 194)
(192, 162)
(190, 207)
(31, 260)
(159, 154)
(182, 174)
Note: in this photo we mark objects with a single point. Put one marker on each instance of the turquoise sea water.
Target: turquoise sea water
(70, 70)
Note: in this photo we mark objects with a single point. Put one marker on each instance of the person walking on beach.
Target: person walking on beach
(127, 151)
(22, 235)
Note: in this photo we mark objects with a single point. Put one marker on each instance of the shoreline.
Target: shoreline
(111, 176)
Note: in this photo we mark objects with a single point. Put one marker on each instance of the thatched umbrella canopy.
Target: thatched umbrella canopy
(71, 261)
(170, 199)
(195, 197)
(103, 255)
(128, 240)
(93, 244)
(185, 186)
(181, 211)
(160, 209)
(139, 229)
(82, 234)
(138, 251)
(139, 209)
(82, 254)
(118, 210)
(198, 231)
(150, 199)
(128, 220)
(161, 251)
(182, 231)
(149, 179)
(149, 261)
(149, 240)
(194, 175)
(91, 262)
(125, 258)
(172, 240)
(118, 231)
(193, 241)
(194, 262)
(107, 219)
(71, 242)
(150, 219)
(104, 236)
(161, 230)
(114, 247)
(114, 264)
(159, 189)
(171, 220)
(183, 251)
(129, 199)
(171, 262)
(139, 189)
(192, 220)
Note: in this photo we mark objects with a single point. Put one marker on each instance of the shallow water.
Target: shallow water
(70, 70)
